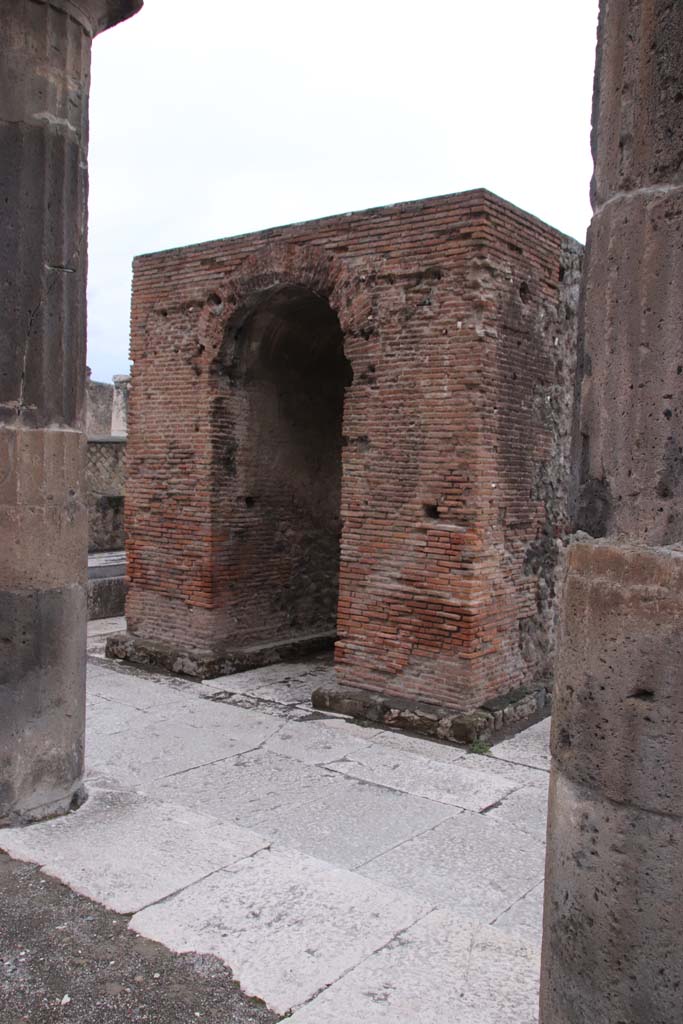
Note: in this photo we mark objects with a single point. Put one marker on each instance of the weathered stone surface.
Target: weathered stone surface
(42, 702)
(526, 808)
(106, 597)
(612, 938)
(524, 918)
(430, 719)
(45, 76)
(127, 851)
(456, 785)
(441, 969)
(42, 514)
(166, 743)
(105, 480)
(530, 747)
(637, 109)
(618, 716)
(348, 823)
(632, 400)
(286, 925)
(468, 863)
(99, 398)
(206, 663)
(611, 942)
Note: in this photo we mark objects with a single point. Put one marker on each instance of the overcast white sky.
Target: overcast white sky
(211, 118)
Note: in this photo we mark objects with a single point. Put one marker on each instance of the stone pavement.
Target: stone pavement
(339, 871)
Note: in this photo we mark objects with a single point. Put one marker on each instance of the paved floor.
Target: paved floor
(340, 872)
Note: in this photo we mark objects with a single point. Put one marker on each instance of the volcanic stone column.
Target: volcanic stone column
(613, 926)
(44, 84)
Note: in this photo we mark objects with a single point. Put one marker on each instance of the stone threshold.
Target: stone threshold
(198, 663)
(504, 715)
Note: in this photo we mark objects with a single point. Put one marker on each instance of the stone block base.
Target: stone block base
(203, 663)
(442, 723)
(106, 598)
(107, 584)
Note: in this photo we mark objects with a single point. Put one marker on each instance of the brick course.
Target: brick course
(456, 317)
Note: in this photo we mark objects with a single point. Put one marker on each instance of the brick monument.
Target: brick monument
(356, 429)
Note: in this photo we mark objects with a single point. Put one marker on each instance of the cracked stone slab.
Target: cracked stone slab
(175, 739)
(456, 783)
(286, 683)
(442, 970)
(127, 851)
(318, 741)
(126, 688)
(525, 917)
(526, 809)
(286, 925)
(247, 788)
(107, 717)
(350, 823)
(530, 747)
(468, 862)
(423, 746)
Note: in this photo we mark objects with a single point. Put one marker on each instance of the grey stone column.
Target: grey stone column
(119, 409)
(613, 926)
(44, 84)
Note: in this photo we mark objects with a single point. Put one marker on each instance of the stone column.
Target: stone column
(119, 409)
(44, 83)
(613, 928)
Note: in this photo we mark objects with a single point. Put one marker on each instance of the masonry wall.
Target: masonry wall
(105, 483)
(458, 322)
(99, 397)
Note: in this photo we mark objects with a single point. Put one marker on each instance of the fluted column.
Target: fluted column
(613, 928)
(44, 84)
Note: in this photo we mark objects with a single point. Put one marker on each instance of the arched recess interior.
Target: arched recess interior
(284, 354)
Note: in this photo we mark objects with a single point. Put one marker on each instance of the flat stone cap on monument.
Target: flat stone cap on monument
(98, 14)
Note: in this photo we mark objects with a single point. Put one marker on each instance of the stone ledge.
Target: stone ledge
(203, 663)
(432, 719)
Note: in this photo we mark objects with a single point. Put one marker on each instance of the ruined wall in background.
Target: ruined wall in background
(99, 398)
(105, 476)
(105, 472)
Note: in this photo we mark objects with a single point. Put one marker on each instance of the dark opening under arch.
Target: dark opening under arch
(284, 356)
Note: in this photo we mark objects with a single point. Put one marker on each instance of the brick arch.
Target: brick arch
(261, 516)
(349, 290)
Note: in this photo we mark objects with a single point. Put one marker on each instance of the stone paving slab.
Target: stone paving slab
(106, 718)
(176, 739)
(127, 851)
(526, 809)
(127, 688)
(456, 784)
(442, 970)
(525, 917)
(286, 925)
(422, 746)
(530, 747)
(350, 823)
(319, 741)
(467, 862)
(244, 789)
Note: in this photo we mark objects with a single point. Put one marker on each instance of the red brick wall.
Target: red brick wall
(455, 435)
